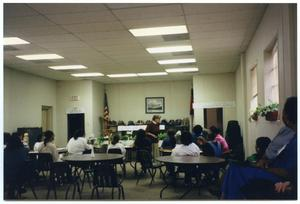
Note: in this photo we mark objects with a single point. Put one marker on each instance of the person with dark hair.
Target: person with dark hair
(6, 137)
(170, 141)
(48, 146)
(187, 147)
(209, 148)
(284, 135)
(115, 144)
(262, 144)
(217, 137)
(196, 132)
(39, 141)
(142, 142)
(234, 140)
(15, 155)
(78, 144)
(282, 168)
(152, 131)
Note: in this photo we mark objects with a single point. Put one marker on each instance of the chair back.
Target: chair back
(60, 171)
(105, 176)
(114, 151)
(44, 161)
(145, 158)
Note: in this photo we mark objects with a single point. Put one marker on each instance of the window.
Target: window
(254, 94)
(271, 75)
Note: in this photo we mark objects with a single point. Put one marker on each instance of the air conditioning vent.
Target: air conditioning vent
(176, 37)
(10, 48)
(182, 53)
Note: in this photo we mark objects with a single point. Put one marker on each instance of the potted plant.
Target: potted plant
(162, 136)
(271, 112)
(254, 116)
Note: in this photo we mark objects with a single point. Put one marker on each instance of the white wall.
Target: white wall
(214, 88)
(24, 96)
(98, 106)
(127, 101)
(277, 23)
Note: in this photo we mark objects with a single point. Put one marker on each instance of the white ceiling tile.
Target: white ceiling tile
(38, 31)
(104, 35)
(17, 10)
(149, 12)
(52, 38)
(94, 27)
(67, 44)
(27, 21)
(129, 5)
(50, 8)
(86, 17)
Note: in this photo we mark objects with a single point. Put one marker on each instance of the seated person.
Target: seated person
(260, 147)
(115, 144)
(6, 138)
(170, 141)
(217, 137)
(187, 147)
(39, 141)
(142, 142)
(48, 146)
(196, 132)
(282, 168)
(78, 144)
(209, 148)
(15, 155)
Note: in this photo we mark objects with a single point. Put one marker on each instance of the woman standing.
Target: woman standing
(152, 131)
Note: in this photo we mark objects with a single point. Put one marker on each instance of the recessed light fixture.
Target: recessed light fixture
(170, 49)
(40, 57)
(174, 70)
(122, 75)
(14, 41)
(68, 67)
(90, 74)
(153, 74)
(177, 61)
(168, 30)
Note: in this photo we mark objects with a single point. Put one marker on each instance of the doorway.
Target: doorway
(213, 116)
(47, 118)
(75, 122)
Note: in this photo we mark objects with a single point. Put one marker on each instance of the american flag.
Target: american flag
(191, 103)
(106, 110)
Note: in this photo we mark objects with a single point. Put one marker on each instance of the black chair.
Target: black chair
(13, 186)
(105, 176)
(120, 161)
(61, 174)
(42, 162)
(144, 157)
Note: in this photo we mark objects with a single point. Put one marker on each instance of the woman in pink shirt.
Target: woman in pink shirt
(217, 137)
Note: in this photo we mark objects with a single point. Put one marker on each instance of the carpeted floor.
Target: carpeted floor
(143, 191)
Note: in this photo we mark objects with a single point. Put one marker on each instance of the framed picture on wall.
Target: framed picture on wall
(155, 105)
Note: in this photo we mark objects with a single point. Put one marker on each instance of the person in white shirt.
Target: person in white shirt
(187, 147)
(78, 144)
(48, 146)
(115, 144)
(38, 142)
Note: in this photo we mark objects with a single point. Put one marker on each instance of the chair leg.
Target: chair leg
(152, 173)
(119, 193)
(33, 190)
(78, 189)
(123, 195)
(89, 179)
(67, 192)
(98, 195)
(74, 190)
(93, 191)
(112, 193)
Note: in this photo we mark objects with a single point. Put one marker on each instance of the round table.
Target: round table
(103, 157)
(199, 161)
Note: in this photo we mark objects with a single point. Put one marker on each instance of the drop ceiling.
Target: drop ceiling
(97, 36)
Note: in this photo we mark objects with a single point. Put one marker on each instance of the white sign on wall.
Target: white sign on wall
(75, 110)
(217, 104)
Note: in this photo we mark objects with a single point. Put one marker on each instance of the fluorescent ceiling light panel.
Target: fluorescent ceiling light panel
(40, 57)
(177, 61)
(170, 49)
(153, 74)
(14, 41)
(174, 70)
(68, 67)
(90, 74)
(122, 75)
(168, 30)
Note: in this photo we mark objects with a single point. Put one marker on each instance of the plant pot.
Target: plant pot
(254, 117)
(272, 116)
